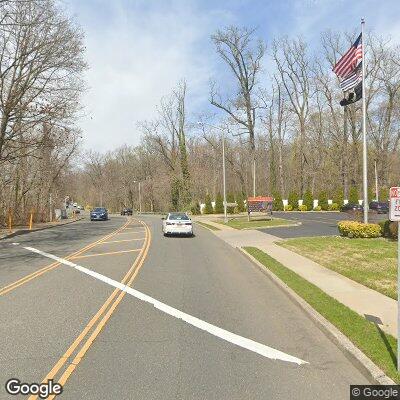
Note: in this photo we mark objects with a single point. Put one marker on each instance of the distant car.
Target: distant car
(379, 207)
(352, 207)
(99, 214)
(126, 211)
(177, 223)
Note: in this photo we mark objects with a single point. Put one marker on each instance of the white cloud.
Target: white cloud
(136, 55)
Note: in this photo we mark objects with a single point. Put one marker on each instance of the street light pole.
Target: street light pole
(223, 167)
(376, 183)
(140, 200)
(224, 175)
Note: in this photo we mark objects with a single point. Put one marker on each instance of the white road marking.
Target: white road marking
(15, 244)
(241, 341)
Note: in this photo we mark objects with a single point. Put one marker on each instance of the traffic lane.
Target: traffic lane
(143, 353)
(41, 320)
(15, 263)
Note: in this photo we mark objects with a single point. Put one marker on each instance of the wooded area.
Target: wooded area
(283, 117)
(41, 62)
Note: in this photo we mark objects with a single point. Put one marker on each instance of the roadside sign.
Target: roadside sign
(259, 204)
(394, 214)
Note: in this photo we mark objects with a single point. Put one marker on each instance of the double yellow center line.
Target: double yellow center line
(97, 323)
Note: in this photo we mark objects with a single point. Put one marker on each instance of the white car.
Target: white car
(177, 223)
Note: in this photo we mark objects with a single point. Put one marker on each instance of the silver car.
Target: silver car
(177, 223)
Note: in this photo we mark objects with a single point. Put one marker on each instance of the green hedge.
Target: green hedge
(354, 229)
(389, 229)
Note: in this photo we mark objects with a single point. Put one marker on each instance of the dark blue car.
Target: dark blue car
(99, 214)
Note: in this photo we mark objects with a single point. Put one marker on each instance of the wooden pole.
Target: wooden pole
(10, 220)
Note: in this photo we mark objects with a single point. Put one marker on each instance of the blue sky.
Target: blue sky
(138, 50)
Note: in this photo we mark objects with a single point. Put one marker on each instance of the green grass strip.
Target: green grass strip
(379, 346)
(213, 228)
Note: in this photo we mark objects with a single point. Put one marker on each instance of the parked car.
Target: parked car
(99, 214)
(177, 223)
(351, 207)
(126, 211)
(379, 207)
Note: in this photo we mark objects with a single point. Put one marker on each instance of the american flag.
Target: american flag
(350, 60)
(352, 79)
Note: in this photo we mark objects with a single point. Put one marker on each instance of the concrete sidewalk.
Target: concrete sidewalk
(359, 298)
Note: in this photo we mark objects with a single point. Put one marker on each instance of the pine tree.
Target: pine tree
(323, 200)
(294, 200)
(240, 202)
(219, 204)
(208, 209)
(353, 195)
(278, 204)
(308, 200)
(230, 199)
(338, 198)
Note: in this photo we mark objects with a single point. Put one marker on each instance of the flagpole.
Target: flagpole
(364, 128)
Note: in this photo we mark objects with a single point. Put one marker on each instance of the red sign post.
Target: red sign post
(394, 215)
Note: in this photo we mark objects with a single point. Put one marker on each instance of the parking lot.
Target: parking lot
(314, 223)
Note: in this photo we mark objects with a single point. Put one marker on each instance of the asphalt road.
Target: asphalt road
(314, 223)
(128, 349)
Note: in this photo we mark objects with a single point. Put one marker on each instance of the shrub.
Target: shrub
(353, 195)
(384, 228)
(318, 208)
(303, 207)
(323, 200)
(289, 207)
(293, 200)
(354, 229)
(393, 230)
(230, 199)
(389, 229)
(208, 209)
(308, 200)
(333, 207)
(195, 208)
(240, 202)
(278, 204)
(219, 204)
(339, 197)
(384, 194)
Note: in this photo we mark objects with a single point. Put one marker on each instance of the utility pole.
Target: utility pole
(224, 175)
(51, 207)
(140, 200)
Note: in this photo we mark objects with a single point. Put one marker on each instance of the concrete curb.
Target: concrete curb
(271, 227)
(25, 231)
(356, 356)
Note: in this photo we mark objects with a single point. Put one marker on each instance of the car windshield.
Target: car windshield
(178, 217)
(98, 209)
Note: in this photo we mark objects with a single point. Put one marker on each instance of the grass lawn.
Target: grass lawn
(255, 222)
(212, 227)
(380, 347)
(371, 262)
